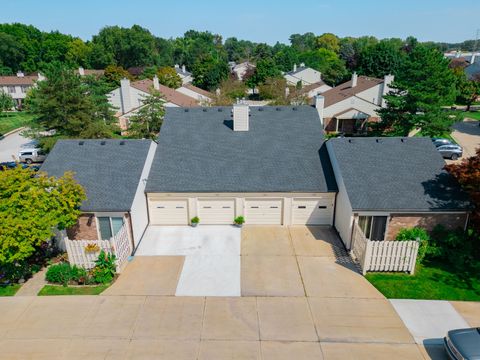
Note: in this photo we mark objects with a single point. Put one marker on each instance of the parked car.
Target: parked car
(451, 151)
(11, 165)
(31, 155)
(463, 344)
(439, 142)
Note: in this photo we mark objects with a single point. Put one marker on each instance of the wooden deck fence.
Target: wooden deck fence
(399, 256)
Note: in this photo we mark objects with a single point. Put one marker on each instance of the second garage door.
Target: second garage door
(168, 212)
(263, 211)
(216, 212)
(312, 211)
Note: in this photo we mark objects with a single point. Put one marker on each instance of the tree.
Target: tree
(286, 58)
(328, 63)
(169, 77)
(113, 74)
(381, 59)
(468, 90)
(31, 207)
(274, 88)
(147, 121)
(78, 53)
(265, 69)
(423, 86)
(6, 102)
(328, 41)
(209, 71)
(303, 42)
(230, 90)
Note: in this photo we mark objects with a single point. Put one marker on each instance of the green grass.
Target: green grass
(472, 115)
(49, 290)
(14, 120)
(431, 281)
(9, 290)
(443, 136)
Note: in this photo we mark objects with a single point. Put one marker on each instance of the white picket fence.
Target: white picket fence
(119, 245)
(395, 256)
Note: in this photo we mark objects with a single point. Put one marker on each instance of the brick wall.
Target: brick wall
(85, 229)
(427, 221)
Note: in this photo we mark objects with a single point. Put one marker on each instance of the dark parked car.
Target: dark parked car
(11, 165)
(463, 344)
(451, 151)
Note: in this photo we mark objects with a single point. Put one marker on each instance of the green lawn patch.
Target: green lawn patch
(14, 120)
(9, 290)
(472, 115)
(49, 290)
(431, 281)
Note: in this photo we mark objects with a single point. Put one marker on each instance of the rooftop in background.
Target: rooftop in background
(170, 94)
(18, 79)
(345, 90)
(181, 70)
(396, 174)
(281, 152)
(101, 169)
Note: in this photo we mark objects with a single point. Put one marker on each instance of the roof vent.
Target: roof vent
(402, 140)
(103, 142)
(350, 141)
(122, 142)
(260, 108)
(186, 110)
(278, 109)
(294, 109)
(378, 140)
(81, 142)
(220, 109)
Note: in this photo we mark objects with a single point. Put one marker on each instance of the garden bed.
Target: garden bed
(54, 290)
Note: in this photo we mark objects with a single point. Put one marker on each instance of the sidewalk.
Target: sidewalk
(33, 285)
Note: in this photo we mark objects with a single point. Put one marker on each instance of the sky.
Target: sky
(255, 20)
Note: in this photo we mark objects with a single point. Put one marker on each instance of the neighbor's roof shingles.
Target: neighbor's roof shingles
(109, 173)
(170, 95)
(282, 152)
(345, 90)
(18, 80)
(395, 174)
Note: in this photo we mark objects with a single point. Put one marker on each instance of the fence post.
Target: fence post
(416, 247)
(367, 257)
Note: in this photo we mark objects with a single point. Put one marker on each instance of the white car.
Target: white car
(31, 155)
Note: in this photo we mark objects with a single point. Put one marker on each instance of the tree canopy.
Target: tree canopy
(168, 76)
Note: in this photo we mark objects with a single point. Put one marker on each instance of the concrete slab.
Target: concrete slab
(316, 241)
(186, 240)
(467, 134)
(276, 350)
(271, 276)
(231, 350)
(341, 351)
(469, 310)
(11, 309)
(428, 320)
(358, 320)
(285, 319)
(110, 349)
(114, 316)
(230, 319)
(162, 349)
(326, 277)
(210, 275)
(266, 240)
(153, 275)
(34, 284)
(54, 317)
(174, 318)
(41, 349)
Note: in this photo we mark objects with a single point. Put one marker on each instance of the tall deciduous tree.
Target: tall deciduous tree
(328, 63)
(383, 58)
(147, 121)
(168, 76)
(6, 102)
(328, 41)
(31, 207)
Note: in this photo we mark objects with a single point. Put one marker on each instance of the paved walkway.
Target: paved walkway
(33, 285)
(11, 145)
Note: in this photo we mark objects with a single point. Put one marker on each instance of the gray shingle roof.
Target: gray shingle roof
(396, 175)
(199, 152)
(109, 173)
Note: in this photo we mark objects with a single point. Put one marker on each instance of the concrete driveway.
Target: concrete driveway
(467, 134)
(11, 145)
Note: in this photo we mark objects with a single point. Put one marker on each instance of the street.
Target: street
(10, 146)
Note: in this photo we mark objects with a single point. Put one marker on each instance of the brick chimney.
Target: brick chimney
(125, 95)
(241, 114)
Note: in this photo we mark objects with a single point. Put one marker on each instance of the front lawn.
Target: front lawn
(472, 115)
(14, 120)
(49, 290)
(431, 281)
(9, 290)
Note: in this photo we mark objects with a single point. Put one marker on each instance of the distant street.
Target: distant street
(11, 145)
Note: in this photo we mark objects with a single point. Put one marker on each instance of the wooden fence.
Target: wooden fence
(119, 245)
(398, 256)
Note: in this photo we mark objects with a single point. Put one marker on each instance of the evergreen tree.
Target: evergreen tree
(147, 121)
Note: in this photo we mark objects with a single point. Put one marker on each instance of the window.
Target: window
(24, 88)
(373, 227)
(11, 89)
(109, 226)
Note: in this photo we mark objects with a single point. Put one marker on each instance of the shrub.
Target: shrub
(195, 220)
(105, 268)
(239, 220)
(64, 273)
(416, 233)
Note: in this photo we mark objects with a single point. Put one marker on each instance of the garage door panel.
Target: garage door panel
(263, 212)
(312, 211)
(168, 212)
(216, 212)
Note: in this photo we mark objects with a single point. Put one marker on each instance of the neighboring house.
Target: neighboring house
(267, 164)
(18, 85)
(128, 98)
(239, 70)
(87, 72)
(303, 75)
(200, 95)
(113, 174)
(186, 76)
(470, 57)
(348, 107)
(473, 71)
(312, 90)
(385, 184)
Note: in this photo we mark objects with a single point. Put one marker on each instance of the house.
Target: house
(200, 95)
(113, 174)
(303, 75)
(385, 184)
(128, 98)
(18, 85)
(267, 164)
(239, 70)
(89, 72)
(312, 90)
(348, 107)
(186, 76)
(473, 71)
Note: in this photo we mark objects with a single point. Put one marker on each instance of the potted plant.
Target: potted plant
(92, 248)
(238, 221)
(194, 221)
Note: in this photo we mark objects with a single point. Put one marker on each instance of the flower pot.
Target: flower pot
(238, 225)
(194, 224)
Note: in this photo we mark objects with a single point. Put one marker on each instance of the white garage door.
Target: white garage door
(216, 212)
(264, 211)
(312, 211)
(169, 212)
